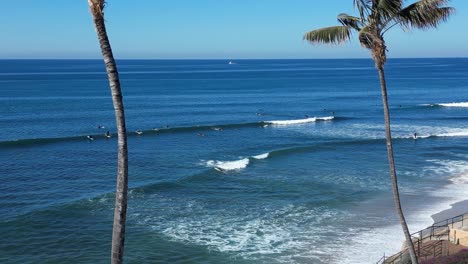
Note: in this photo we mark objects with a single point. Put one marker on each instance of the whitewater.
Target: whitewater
(262, 161)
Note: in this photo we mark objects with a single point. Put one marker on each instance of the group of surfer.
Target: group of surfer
(140, 132)
(107, 135)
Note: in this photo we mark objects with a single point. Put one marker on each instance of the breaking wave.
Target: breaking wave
(228, 165)
(460, 104)
(161, 130)
(299, 121)
(454, 104)
(236, 165)
(261, 156)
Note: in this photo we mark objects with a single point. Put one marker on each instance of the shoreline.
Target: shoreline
(456, 209)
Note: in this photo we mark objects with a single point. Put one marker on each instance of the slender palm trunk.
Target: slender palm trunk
(391, 164)
(120, 212)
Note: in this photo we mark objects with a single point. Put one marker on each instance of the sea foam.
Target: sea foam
(261, 156)
(263, 235)
(420, 217)
(236, 165)
(299, 121)
(463, 133)
(228, 165)
(459, 104)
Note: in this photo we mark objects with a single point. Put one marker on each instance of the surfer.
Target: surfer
(90, 138)
(139, 132)
(107, 135)
(99, 127)
(415, 136)
(200, 134)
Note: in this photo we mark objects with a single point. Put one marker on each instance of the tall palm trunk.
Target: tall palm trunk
(120, 212)
(391, 164)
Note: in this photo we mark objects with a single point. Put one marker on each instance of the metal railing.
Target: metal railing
(428, 242)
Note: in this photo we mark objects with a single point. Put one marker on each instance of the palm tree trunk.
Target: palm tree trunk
(120, 212)
(391, 164)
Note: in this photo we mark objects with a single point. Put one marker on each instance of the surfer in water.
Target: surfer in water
(415, 136)
(90, 138)
(107, 135)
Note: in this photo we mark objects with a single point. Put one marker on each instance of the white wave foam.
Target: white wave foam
(261, 156)
(228, 165)
(417, 137)
(456, 169)
(463, 133)
(236, 165)
(267, 235)
(389, 239)
(407, 132)
(422, 136)
(459, 104)
(300, 121)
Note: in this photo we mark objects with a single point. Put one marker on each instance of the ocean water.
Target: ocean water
(261, 161)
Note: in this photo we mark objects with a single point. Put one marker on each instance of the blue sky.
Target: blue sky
(212, 29)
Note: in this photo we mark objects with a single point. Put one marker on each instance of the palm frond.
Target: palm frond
(388, 9)
(350, 21)
(329, 35)
(425, 14)
(363, 7)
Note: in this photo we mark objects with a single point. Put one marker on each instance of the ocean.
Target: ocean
(254, 161)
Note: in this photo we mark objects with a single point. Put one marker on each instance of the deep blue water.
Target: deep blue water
(215, 177)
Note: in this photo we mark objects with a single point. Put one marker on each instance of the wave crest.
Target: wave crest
(236, 165)
(299, 121)
(455, 104)
(224, 166)
(261, 156)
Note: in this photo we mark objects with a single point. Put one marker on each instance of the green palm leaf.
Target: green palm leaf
(364, 7)
(350, 21)
(425, 14)
(388, 9)
(329, 35)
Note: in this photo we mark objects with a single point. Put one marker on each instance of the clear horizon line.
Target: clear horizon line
(232, 59)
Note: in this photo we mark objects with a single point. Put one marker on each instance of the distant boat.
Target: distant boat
(231, 63)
